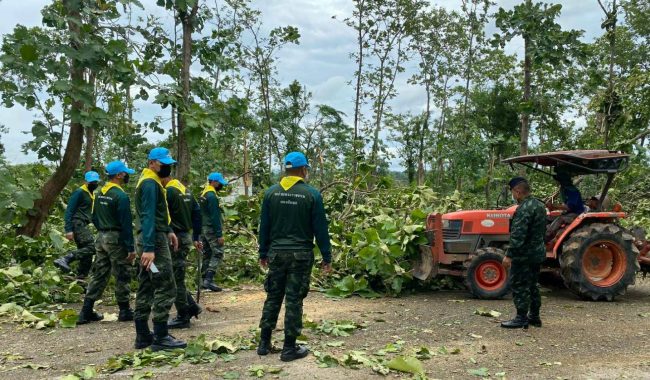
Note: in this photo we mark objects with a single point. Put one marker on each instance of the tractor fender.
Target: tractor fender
(578, 221)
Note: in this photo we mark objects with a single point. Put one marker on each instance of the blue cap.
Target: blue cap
(161, 154)
(295, 160)
(117, 167)
(216, 176)
(91, 176)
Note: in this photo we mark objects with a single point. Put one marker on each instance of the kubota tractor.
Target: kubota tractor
(596, 257)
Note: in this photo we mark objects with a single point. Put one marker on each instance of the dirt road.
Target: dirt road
(579, 340)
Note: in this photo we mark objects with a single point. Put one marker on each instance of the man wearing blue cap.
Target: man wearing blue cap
(114, 245)
(212, 235)
(157, 288)
(292, 216)
(78, 215)
(525, 254)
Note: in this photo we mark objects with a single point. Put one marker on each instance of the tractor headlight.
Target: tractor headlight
(445, 223)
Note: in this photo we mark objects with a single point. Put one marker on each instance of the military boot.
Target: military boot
(143, 336)
(87, 314)
(208, 282)
(126, 313)
(63, 263)
(162, 340)
(291, 351)
(520, 321)
(534, 320)
(193, 308)
(182, 320)
(265, 342)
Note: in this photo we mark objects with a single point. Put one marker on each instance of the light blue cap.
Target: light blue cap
(216, 176)
(295, 160)
(117, 167)
(161, 154)
(91, 176)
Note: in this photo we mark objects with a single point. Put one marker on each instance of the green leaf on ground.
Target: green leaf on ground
(406, 364)
(231, 375)
(481, 372)
(485, 312)
(336, 343)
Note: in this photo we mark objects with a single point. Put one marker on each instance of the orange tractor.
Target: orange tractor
(596, 257)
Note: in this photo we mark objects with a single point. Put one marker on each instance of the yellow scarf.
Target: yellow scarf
(176, 184)
(208, 189)
(84, 187)
(108, 186)
(150, 174)
(288, 182)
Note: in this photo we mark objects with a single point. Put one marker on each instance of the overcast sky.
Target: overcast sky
(321, 60)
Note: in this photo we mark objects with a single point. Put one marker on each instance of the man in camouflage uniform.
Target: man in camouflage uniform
(156, 288)
(78, 214)
(292, 215)
(212, 234)
(186, 222)
(525, 255)
(114, 245)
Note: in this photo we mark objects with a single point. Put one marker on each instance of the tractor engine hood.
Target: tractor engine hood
(477, 222)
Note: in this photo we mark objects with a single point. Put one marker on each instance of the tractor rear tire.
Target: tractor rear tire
(599, 261)
(486, 277)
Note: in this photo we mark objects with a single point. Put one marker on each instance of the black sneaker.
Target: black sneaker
(125, 315)
(88, 317)
(292, 353)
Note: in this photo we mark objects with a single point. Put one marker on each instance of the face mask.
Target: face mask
(165, 171)
(92, 187)
(126, 178)
(513, 199)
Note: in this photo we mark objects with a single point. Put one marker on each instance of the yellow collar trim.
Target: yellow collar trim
(208, 189)
(150, 174)
(289, 181)
(108, 186)
(176, 184)
(84, 187)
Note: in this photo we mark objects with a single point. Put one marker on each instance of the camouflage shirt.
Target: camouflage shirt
(527, 230)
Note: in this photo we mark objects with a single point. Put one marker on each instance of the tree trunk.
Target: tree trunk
(423, 132)
(357, 99)
(611, 36)
(184, 158)
(55, 184)
(525, 117)
(247, 181)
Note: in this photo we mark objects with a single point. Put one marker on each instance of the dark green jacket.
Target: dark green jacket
(291, 219)
(113, 213)
(211, 212)
(79, 207)
(527, 230)
(151, 211)
(184, 211)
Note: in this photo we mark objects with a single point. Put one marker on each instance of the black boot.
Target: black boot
(63, 263)
(126, 313)
(83, 269)
(208, 282)
(143, 336)
(193, 308)
(265, 342)
(291, 351)
(534, 320)
(87, 314)
(162, 340)
(520, 321)
(182, 321)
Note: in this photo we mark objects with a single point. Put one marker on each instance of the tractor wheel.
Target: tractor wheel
(486, 277)
(599, 261)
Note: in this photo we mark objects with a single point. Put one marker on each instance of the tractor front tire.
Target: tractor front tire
(486, 277)
(599, 261)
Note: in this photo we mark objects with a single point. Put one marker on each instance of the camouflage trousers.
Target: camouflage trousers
(85, 242)
(525, 292)
(179, 263)
(156, 291)
(111, 257)
(212, 252)
(288, 278)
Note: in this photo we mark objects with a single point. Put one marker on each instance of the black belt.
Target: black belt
(108, 229)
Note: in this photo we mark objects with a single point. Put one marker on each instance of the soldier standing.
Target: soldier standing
(292, 215)
(78, 214)
(114, 245)
(212, 230)
(186, 222)
(525, 255)
(156, 286)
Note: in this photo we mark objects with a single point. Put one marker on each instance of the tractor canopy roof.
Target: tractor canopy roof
(575, 162)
